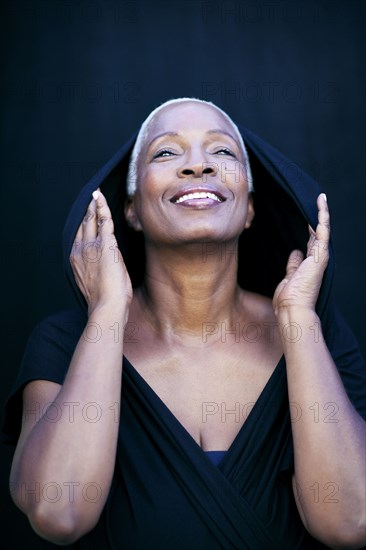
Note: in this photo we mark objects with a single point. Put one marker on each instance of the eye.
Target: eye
(224, 151)
(163, 153)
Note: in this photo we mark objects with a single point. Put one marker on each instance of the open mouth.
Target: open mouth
(198, 195)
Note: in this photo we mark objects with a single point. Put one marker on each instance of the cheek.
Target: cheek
(147, 206)
(242, 211)
(233, 173)
(155, 185)
(149, 189)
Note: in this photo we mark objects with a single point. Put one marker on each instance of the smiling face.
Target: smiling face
(192, 182)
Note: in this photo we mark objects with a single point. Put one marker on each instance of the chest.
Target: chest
(210, 393)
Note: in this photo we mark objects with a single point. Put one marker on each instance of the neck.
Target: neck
(190, 288)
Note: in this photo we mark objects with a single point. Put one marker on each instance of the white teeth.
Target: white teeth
(198, 195)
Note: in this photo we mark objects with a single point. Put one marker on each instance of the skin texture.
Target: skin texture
(184, 290)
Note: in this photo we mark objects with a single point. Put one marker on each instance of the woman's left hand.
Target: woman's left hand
(303, 279)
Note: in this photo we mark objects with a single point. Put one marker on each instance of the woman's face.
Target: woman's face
(192, 185)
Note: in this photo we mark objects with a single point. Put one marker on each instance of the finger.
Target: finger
(293, 262)
(311, 241)
(77, 241)
(105, 224)
(89, 224)
(319, 239)
(323, 227)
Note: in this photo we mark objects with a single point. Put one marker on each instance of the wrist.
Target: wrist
(298, 324)
(113, 311)
(291, 312)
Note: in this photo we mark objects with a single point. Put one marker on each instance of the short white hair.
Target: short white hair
(132, 167)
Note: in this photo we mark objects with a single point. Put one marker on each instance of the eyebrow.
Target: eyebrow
(162, 135)
(219, 131)
(175, 134)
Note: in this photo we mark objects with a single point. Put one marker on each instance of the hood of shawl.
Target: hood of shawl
(284, 202)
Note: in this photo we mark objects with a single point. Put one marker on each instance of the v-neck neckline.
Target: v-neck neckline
(187, 436)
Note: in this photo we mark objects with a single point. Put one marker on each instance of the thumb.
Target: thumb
(293, 262)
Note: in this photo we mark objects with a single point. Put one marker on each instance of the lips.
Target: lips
(197, 195)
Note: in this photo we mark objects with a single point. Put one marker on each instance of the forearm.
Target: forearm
(328, 434)
(71, 450)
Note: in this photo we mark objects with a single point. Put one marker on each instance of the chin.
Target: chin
(201, 235)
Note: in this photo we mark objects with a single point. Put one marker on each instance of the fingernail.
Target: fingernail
(95, 195)
(324, 197)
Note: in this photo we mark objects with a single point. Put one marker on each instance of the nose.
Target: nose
(197, 168)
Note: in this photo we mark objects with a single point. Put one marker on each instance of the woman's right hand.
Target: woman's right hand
(97, 263)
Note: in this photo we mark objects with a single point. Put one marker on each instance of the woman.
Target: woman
(240, 423)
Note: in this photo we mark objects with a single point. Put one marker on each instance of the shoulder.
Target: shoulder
(256, 306)
(67, 321)
(347, 357)
(259, 323)
(46, 357)
(51, 344)
(62, 328)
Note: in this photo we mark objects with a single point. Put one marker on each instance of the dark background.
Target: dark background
(79, 77)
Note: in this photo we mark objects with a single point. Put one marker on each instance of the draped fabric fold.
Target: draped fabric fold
(168, 485)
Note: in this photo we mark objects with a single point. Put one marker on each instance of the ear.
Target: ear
(250, 213)
(130, 214)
